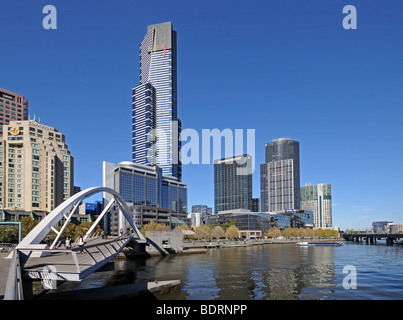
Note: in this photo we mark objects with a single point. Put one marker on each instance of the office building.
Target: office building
(149, 194)
(381, 226)
(12, 107)
(280, 176)
(318, 199)
(195, 219)
(233, 183)
(36, 167)
(158, 76)
(258, 223)
(204, 210)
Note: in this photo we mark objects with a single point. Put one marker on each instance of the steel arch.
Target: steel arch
(47, 224)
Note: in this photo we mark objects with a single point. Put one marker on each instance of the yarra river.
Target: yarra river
(269, 271)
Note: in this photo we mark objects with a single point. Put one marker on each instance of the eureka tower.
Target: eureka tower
(155, 124)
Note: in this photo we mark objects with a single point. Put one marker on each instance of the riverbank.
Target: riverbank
(199, 247)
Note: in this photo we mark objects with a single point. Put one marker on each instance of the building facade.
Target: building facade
(150, 195)
(158, 68)
(204, 210)
(262, 221)
(381, 226)
(233, 183)
(318, 199)
(280, 176)
(12, 107)
(144, 102)
(36, 167)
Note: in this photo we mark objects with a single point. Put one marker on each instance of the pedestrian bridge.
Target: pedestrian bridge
(33, 260)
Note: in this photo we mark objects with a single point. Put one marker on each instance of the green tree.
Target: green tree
(226, 225)
(27, 224)
(232, 232)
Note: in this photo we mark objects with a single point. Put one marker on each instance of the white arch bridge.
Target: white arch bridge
(34, 260)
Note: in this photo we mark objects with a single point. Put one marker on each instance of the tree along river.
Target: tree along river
(269, 271)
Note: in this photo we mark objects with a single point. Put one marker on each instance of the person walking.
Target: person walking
(81, 243)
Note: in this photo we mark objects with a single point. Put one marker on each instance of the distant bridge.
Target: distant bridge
(373, 237)
(34, 260)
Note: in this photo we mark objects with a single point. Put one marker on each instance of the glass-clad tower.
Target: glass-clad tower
(318, 199)
(233, 183)
(144, 124)
(158, 68)
(280, 176)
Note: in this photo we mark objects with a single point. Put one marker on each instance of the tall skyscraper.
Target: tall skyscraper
(158, 72)
(318, 199)
(280, 176)
(12, 107)
(233, 183)
(37, 169)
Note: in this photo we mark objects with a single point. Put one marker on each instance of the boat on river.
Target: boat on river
(319, 244)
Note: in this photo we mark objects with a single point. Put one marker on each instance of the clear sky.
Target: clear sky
(284, 68)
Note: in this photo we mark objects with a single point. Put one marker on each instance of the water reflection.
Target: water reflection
(262, 272)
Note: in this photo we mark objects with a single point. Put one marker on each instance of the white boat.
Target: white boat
(302, 244)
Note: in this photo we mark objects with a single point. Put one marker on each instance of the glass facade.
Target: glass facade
(151, 188)
(158, 67)
(232, 190)
(264, 221)
(318, 199)
(144, 124)
(280, 176)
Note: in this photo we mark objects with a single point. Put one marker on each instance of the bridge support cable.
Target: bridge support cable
(87, 234)
(68, 218)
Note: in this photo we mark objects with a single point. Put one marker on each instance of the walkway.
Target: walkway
(71, 265)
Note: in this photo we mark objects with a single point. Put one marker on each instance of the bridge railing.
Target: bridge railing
(14, 290)
(108, 245)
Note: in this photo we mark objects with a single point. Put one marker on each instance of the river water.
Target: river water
(270, 271)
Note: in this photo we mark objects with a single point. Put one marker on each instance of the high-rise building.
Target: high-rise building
(318, 199)
(158, 71)
(12, 107)
(233, 183)
(36, 168)
(144, 124)
(255, 204)
(149, 194)
(204, 210)
(280, 176)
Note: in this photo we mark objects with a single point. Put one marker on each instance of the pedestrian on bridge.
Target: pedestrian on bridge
(81, 244)
(68, 244)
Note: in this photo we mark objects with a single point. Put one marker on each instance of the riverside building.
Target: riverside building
(36, 167)
(233, 183)
(280, 176)
(318, 199)
(12, 107)
(149, 194)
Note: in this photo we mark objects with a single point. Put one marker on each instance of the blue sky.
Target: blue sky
(284, 68)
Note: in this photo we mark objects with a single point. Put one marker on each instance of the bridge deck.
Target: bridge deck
(71, 265)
